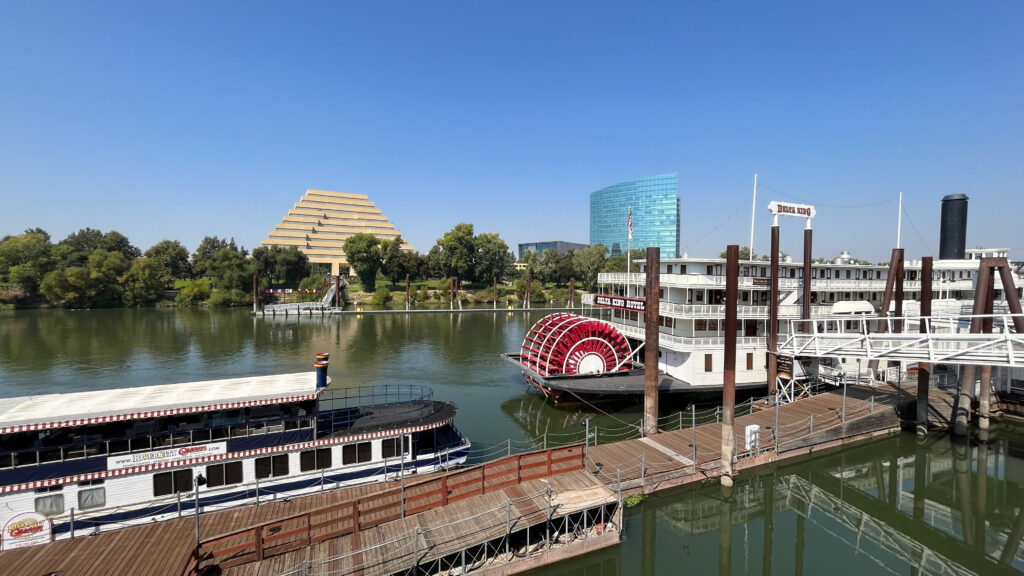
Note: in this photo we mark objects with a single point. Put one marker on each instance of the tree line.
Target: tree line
(92, 269)
(95, 269)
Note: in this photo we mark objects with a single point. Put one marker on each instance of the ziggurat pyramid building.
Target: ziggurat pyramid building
(320, 222)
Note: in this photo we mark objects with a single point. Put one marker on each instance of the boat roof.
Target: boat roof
(111, 405)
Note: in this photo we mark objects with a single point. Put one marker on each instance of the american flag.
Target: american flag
(629, 222)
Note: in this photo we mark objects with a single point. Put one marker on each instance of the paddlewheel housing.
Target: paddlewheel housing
(570, 344)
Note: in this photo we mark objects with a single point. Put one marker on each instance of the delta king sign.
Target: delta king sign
(789, 209)
(620, 303)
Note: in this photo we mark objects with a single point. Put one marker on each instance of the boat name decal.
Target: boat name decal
(167, 455)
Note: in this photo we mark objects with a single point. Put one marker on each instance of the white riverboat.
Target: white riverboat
(90, 461)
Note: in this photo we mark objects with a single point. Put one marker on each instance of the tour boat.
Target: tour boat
(76, 463)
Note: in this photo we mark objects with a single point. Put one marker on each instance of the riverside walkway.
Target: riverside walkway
(516, 511)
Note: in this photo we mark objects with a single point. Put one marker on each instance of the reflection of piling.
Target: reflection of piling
(651, 342)
(962, 475)
(769, 524)
(923, 368)
(732, 268)
(725, 532)
(650, 537)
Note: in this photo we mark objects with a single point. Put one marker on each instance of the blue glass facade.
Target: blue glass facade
(655, 203)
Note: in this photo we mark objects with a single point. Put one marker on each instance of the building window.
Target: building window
(389, 447)
(52, 505)
(92, 498)
(223, 474)
(668, 269)
(707, 362)
(170, 482)
(750, 360)
(356, 453)
(272, 466)
(315, 459)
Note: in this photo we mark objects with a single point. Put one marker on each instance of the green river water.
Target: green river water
(897, 505)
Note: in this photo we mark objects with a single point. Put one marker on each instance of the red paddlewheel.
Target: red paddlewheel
(570, 344)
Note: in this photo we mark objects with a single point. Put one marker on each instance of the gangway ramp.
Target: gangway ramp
(946, 340)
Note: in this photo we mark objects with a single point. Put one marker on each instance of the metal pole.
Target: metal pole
(547, 524)
(508, 523)
(416, 549)
(72, 521)
(508, 446)
(178, 494)
(844, 391)
(773, 316)
(643, 470)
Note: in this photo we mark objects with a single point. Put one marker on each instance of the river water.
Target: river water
(897, 505)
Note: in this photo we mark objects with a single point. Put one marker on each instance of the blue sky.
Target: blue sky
(184, 119)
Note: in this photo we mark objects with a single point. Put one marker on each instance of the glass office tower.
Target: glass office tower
(655, 204)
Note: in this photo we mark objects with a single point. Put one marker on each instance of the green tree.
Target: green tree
(618, 263)
(209, 246)
(142, 282)
(170, 259)
(230, 270)
(25, 259)
(557, 267)
(493, 258)
(587, 264)
(534, 268)
(276, 264)
(458, 252)
(96, 284)
(194, 292)
(393, 266)
(363, 252)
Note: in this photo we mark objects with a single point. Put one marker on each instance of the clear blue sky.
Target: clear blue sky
(184, 119)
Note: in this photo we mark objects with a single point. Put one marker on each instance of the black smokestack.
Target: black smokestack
(953, 232)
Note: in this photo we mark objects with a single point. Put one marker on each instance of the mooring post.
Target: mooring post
(651, 334)
(923, 368)
(732, 268)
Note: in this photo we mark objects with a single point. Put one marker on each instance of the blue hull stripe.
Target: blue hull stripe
(188, 503)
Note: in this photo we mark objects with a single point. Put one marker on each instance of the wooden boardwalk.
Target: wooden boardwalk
(798, 425)
(392, 547)
(161, 548)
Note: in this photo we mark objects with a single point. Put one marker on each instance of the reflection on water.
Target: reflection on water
(899, 505)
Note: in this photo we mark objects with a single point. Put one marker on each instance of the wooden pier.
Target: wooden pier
(386, 528)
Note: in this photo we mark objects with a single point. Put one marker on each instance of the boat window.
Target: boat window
(170, 482)
(272, 466)
(52, 505)
(356, 453)
(315, 459)
(92, 498)
(389, 447)
(223, 474)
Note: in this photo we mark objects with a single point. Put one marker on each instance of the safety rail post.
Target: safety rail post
(872, 404)
(508, 523)
(811, 426)
(416, 550)
(508, 446)
(643, 470)
(72, 528)
(547, 523)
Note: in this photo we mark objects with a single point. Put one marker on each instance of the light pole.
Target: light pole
(200, 480)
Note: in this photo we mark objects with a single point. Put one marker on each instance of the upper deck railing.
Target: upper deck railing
(817, 284)
(361, 408)
(945, 340)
